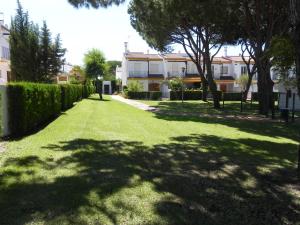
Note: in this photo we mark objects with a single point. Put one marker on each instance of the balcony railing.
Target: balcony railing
(174, 74)
(138, 73)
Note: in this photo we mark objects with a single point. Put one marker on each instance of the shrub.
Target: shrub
(234, 96)
(30, 105)
(135, 86)
(255, 96)
(70, 93)
(151, 95)
(88, 90)
(187, 95)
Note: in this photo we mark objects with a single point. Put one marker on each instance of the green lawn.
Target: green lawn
(104, 162)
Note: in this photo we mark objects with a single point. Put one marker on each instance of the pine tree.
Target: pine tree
(57, 56)
(24, 45)
(45, 53)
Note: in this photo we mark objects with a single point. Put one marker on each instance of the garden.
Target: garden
(104, 162)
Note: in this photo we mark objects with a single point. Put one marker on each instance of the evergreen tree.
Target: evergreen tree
(57, 56)
(45, 52)
(34, 56)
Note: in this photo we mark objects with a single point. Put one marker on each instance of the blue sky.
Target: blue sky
(83, 29)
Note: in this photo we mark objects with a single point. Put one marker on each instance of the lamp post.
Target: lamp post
(182, 84)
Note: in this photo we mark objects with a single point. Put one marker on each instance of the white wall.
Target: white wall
(4, 68)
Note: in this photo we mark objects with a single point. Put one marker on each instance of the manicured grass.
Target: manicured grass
(104, 162)
(201, 108)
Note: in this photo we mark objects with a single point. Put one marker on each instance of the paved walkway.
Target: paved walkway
(134, 103)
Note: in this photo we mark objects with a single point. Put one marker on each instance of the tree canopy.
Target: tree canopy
(198, 25)
(34, 56)
(95, 3)
(94, 64)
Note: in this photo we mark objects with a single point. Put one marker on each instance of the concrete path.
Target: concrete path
(134, 103)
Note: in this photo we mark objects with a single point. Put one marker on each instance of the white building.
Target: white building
(5, 75)
(153, 70)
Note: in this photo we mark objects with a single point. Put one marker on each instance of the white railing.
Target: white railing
(138, 73)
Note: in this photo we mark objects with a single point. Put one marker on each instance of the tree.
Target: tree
(24, 47)
(259, 21)
(194, 24)
(45, 52)
(33, 55)
(295, 20)
(94, 63)
(243, 82)
(95, 3)
(111, 66)
(57, 56)
(250, 65)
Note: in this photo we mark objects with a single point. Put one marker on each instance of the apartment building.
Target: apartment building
(154, 70)
(5, 75)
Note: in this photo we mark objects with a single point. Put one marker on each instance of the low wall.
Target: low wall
(4, 131)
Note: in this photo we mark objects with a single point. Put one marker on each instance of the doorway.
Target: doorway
(223, 87)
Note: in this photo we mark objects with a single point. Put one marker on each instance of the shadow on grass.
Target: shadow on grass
(208, 180)
(197, 112)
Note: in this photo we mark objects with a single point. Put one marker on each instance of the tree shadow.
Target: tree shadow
(200, 179)
(173, 111)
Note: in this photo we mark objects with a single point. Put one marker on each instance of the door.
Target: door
(106, 89)
(223, 87)
(154, 87)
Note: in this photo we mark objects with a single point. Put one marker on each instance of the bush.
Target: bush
(255, 96)
(234, 96)
(88, 90)
(135, 86)
(70, 93)
(187, 95)
(149, 95)
(30, 105)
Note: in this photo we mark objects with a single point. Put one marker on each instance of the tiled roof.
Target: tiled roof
(179, 57)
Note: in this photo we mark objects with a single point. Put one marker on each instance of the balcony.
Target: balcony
(174, 74)
(138, 74)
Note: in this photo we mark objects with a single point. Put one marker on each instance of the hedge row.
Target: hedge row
(149, 95)
(187, 95)
(227, 96)
(30, 104)
(255, 96)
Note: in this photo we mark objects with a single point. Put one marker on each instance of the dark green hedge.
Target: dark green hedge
(149, 95)
(31, 104)
(187, 95)
(234, 96)
(255, 96)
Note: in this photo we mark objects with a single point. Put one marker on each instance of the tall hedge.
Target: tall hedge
(30, 105)
(70, 93)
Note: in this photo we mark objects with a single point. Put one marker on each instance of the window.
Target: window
(5, 53)
(224, 70)
(244, 70)
(137, 67)
(175, 67)
(154, 68)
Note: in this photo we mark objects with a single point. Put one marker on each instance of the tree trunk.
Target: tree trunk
(265, 88)
(297, 46)
(213, 88)
(245, 93)
(204, 90)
